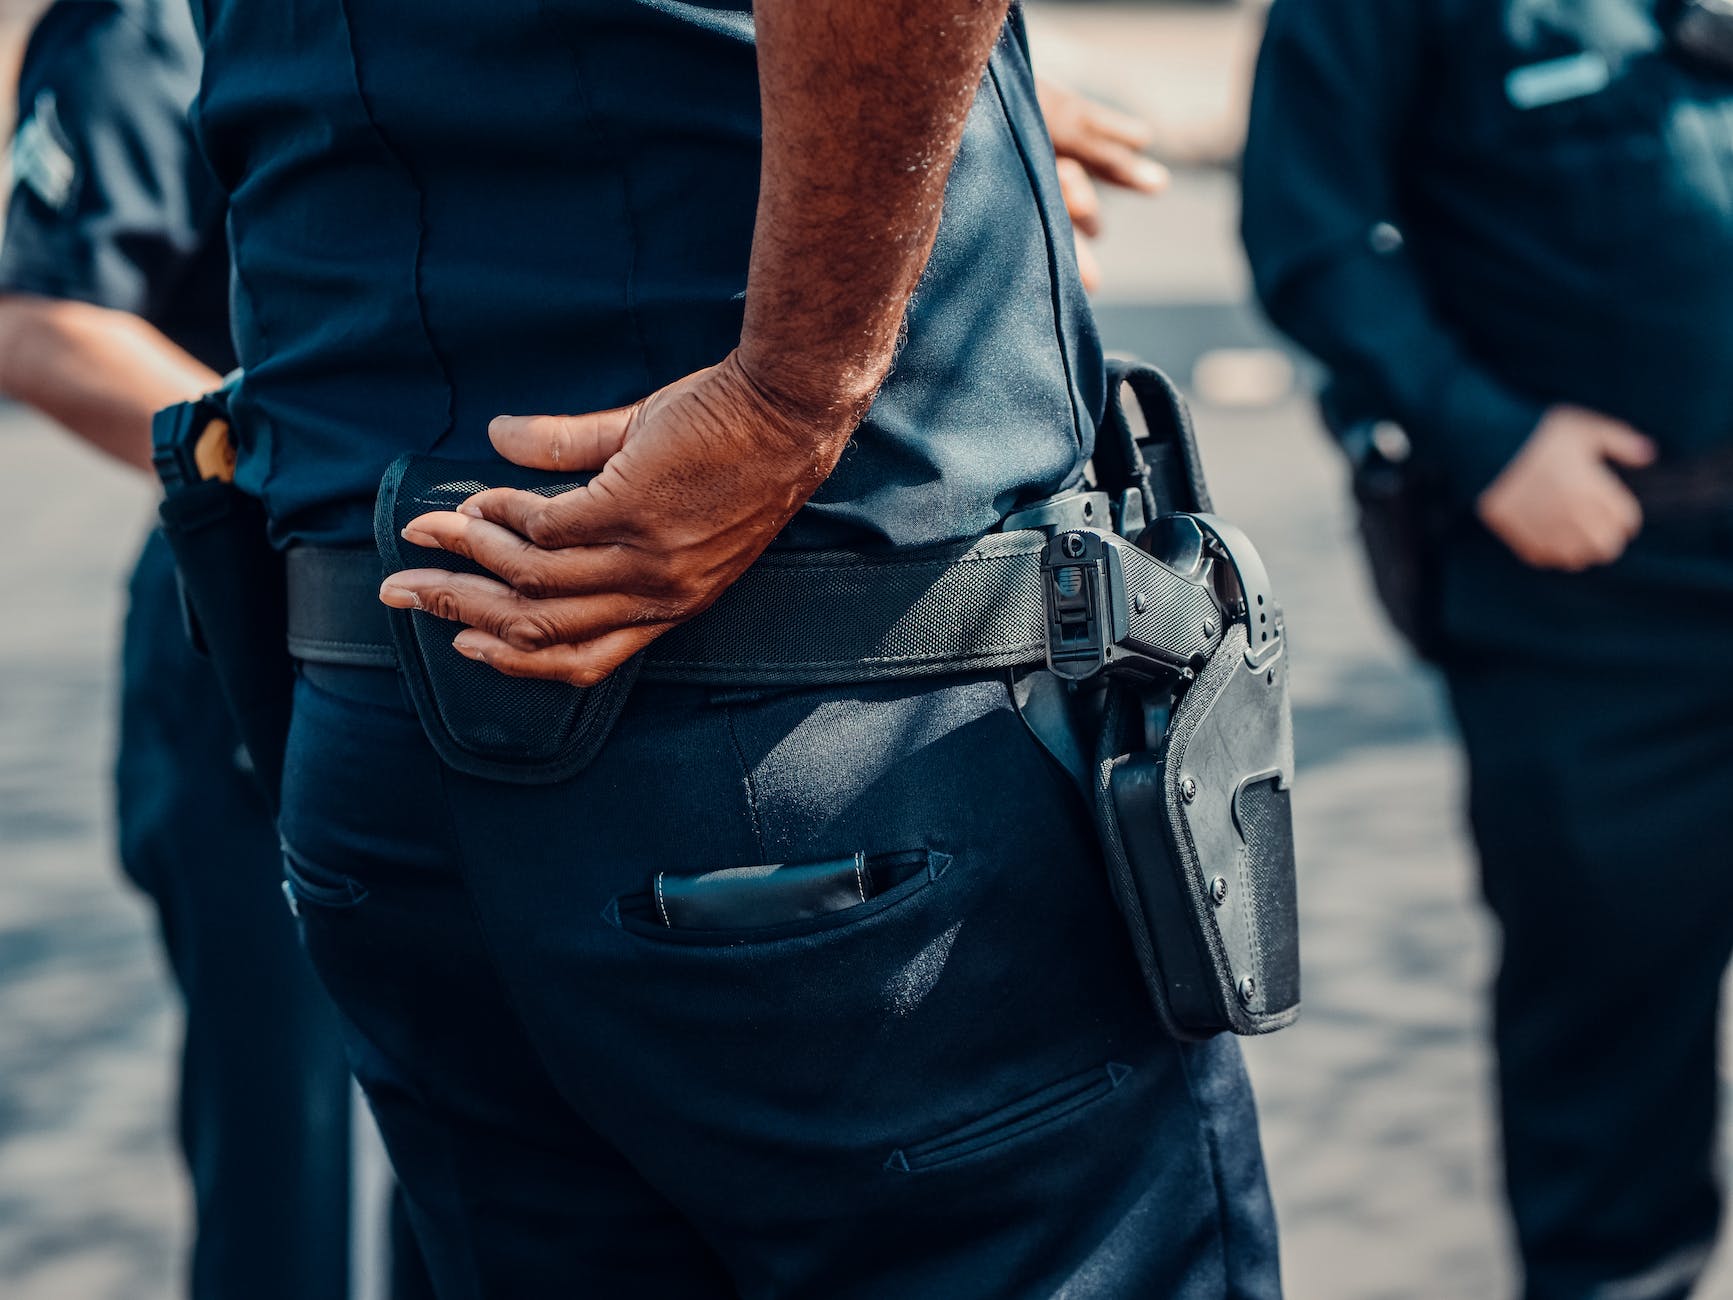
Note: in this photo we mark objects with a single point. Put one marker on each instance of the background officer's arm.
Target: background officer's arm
(104, 217)
(863, 109)
(1338, 83)
(102, 373)
(1336, 89)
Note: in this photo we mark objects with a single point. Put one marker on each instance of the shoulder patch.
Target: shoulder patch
(42, 155)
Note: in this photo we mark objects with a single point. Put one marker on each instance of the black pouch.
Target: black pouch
(479, 721)
(231, 580)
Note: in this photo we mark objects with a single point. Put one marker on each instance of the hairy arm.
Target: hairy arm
(99, 372)
(863, 110)
(864, 106)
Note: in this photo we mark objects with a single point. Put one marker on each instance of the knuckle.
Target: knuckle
(457, 541)
(442, 602)
(531, 585)
(540, 528)
(684, 593)
(534, 579)
(529, 631)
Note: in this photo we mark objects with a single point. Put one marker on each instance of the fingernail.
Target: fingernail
(474, 512)
(1149, 173)
(469, 650)
(416, 537)
(400, 597)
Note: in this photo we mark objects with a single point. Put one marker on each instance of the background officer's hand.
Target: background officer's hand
(1093, 142)
(1558, 504)
(695, 481)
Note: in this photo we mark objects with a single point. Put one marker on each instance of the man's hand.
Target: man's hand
(695, 481)
(1093, 142)
(1558, 504)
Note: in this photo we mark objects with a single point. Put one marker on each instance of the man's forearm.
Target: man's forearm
(863, 107)
(101, 373)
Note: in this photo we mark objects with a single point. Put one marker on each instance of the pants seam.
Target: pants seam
(746, 779)
(455, 844)
(1207, 1137)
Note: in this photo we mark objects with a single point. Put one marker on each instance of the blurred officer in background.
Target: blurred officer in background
(1506, 226)
(712, 218)
(113, 303)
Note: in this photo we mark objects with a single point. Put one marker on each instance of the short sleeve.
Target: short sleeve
(109, 200)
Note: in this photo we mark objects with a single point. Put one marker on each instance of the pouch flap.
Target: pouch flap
(480, 721)
(747, 898)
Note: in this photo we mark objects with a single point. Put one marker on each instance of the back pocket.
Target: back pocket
(1021, 1118)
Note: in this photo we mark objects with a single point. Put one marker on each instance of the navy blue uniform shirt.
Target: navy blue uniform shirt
(110, 202)
(1472, 209)
(444, 210)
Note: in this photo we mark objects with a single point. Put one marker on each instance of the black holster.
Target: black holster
(231, 584)
(1193, 763)
(1402, 524)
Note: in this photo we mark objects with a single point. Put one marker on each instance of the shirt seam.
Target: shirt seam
(1055, 298)
(402, 161)
(627, 205)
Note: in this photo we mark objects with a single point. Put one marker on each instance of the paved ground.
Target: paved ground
(1376, 1114)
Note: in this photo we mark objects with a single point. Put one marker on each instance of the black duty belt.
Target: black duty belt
(797, 617)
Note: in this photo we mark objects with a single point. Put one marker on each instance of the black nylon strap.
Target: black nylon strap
(793, 619)
(334, 612)
(805, 618)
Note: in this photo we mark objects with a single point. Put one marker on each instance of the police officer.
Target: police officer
(114, 272)
(1507, 226)
(706, 223)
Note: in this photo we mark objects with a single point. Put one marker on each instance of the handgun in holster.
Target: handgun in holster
(231, 580)
(1172, 627)
(1404, 521)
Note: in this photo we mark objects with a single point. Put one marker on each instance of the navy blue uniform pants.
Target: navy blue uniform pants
(956, 1090)
(264, 1110)
(1600, 798)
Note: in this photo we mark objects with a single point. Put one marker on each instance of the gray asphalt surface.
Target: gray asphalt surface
(1376, 1113)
